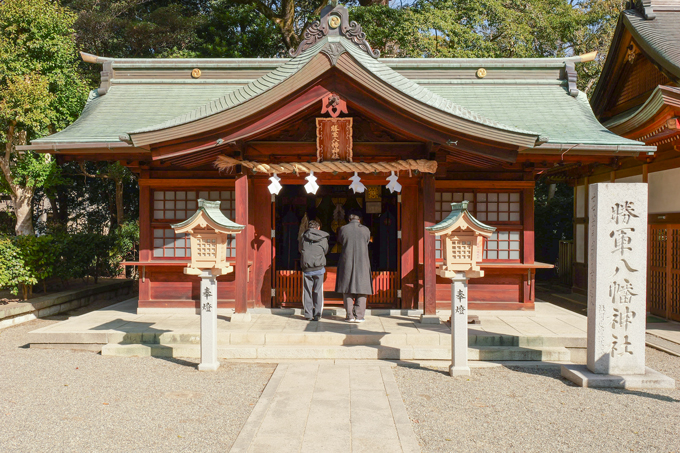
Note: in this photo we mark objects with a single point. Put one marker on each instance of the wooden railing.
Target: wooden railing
(565, 263)
(289, 290)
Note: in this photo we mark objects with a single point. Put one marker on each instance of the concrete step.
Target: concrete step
(359, 352)
(329, 338)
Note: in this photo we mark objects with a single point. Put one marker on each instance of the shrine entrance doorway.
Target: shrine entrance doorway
(331, 205)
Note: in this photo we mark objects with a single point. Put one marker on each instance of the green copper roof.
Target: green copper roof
(212, 210)
(129, 106)
(547, 109)
(525, 96)
(377, 68)
(457, 211)
(242, 94)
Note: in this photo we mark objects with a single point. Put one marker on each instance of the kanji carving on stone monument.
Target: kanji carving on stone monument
(207, 307)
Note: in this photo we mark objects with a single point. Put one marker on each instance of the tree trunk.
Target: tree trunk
(551, 191)
(21, 199)
(120, 213)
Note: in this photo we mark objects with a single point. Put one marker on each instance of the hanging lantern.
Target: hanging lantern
(393, 185)
(311, 186)
(357, 186)
(275, 187)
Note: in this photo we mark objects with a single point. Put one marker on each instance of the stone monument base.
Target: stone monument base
(459, 370)
(208, 366)
(430, 319)
(241, 317)
(581, 375)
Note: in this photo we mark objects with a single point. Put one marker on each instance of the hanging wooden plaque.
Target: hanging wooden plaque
(334, 139)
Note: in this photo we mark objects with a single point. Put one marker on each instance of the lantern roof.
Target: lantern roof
(460, 219)
(209, 213)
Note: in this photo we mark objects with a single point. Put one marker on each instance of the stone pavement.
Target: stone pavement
(329, 407)
(549, 333)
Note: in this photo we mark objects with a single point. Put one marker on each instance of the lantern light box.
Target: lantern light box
(209, 230)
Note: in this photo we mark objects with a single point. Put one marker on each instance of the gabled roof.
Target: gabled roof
(460, 212)
(522, 102)
(212, 213)
(654, 25)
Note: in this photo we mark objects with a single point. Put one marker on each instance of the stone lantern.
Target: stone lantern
(462, 245)
(209, 230)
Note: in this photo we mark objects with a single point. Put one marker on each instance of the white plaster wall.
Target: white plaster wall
(636, 178)
(664, 191)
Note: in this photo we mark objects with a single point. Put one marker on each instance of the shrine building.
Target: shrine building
(418, 133)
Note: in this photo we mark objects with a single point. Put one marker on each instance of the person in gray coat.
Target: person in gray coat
(354, 268)
(313, 247)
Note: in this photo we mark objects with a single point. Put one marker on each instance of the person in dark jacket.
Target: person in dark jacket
(354, 268)
(313, 248)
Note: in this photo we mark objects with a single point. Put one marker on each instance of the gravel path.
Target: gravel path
(64, 400)
(532, 409)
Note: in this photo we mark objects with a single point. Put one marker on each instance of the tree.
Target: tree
(495, 29)
(41, 91)
(238, 31)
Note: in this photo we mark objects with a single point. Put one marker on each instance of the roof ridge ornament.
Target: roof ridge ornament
(644, 7)
(334, 21)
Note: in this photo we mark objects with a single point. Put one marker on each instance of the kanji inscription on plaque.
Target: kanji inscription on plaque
(334, 139)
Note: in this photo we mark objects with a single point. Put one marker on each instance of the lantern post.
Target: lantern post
(462, 246)
(209, 231)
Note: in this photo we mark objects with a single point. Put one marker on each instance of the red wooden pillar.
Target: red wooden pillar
(261, 234)
(144, 237)
(528, 244)
(429, 266)
(241, 271)
(409, 246)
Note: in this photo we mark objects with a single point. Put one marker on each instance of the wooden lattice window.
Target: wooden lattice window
(493, 208)
(498, 207)
(503, 245)
(173, 206)
(181, 204)
(167, 244)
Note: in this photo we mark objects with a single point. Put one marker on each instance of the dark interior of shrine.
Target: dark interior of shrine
(331, 206)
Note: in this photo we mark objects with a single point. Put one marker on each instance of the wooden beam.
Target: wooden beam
(447, 184)
(177, 183)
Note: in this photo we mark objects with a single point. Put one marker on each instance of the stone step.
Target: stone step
(255, 338)
(372, 352)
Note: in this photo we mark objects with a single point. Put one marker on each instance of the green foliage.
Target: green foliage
(30, 259)
(41, 91)
(39, 255)
(494, 29)
(239, 31)
(40, 87)
(553, 219)
(13, 271)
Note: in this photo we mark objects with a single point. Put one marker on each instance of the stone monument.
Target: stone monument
(617, 289)
(462, 247)
(209, 230)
